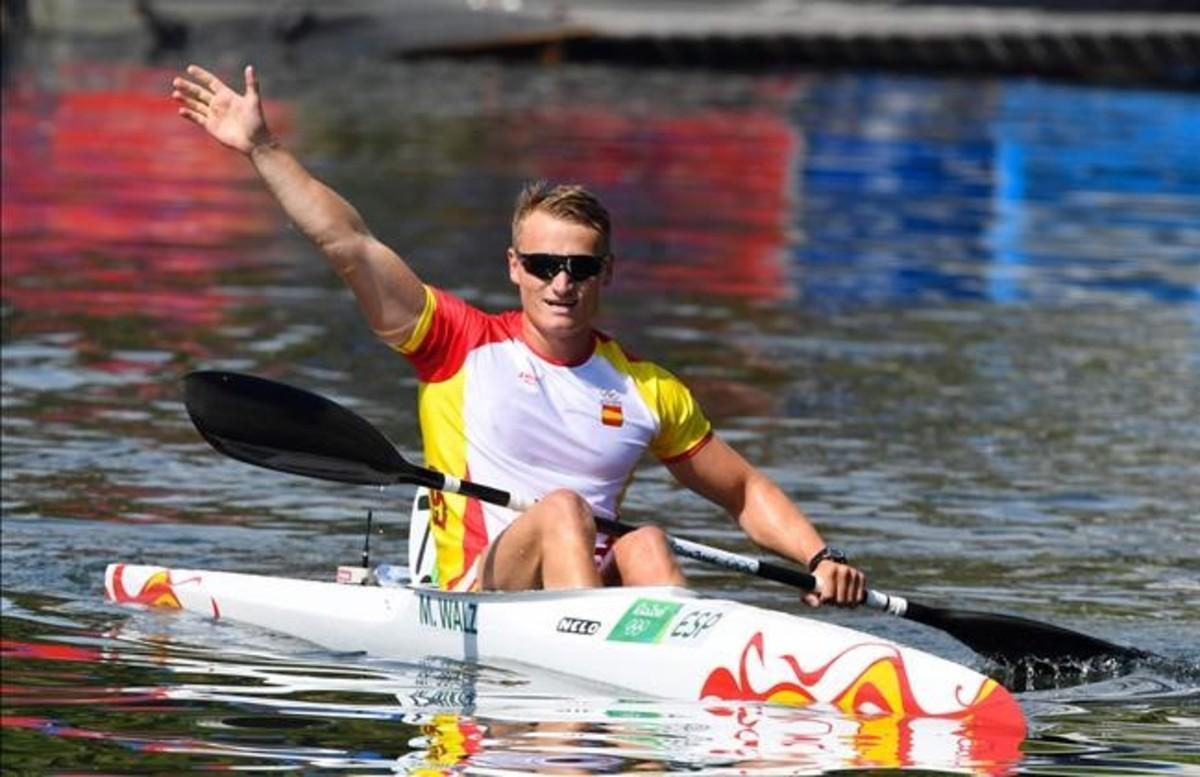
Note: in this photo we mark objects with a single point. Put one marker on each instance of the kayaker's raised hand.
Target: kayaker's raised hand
(236, 120)
(841, 585)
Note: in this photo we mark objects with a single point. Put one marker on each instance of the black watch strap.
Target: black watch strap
(827, 554)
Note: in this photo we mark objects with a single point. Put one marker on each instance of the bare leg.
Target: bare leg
(643, 557)
(551, 545)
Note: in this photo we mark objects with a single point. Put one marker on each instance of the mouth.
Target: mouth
(562, 304)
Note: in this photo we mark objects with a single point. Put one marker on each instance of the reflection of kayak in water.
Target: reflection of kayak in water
(880, 702)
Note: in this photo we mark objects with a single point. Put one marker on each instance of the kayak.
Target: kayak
(658, 641)
(645, 642)
(655, 642)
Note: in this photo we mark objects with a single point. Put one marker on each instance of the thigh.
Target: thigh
(512, 561)
(550, 545)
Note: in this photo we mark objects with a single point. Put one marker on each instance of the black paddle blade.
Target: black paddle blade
(284, 428)
(1032, 655)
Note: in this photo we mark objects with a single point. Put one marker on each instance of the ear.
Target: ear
(514, 266)
(607, 277)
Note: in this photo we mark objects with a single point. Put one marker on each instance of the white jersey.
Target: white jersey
(494, 411)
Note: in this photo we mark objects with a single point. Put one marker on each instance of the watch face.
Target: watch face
(827, 554)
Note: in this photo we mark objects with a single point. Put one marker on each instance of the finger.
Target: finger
(205, 78)
(860, 589)
(187, 102)
(847, 588)
(192, 90)
(829, 591)
(251, 81)
(812, 600)
(191, 116)
(843, 590)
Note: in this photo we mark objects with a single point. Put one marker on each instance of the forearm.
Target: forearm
(388, 291)
(774, 522)
(762, 510)
(767, 517)
(319, 212)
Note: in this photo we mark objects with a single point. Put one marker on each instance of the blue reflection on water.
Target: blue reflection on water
(1120, 168)
(1010, 192)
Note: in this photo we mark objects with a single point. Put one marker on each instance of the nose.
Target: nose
(562, 280)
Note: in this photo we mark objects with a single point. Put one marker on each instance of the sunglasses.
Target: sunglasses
(547, 266)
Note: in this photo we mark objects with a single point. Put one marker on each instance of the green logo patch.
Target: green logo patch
(646, 621)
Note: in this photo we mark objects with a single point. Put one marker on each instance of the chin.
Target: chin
(563, 326)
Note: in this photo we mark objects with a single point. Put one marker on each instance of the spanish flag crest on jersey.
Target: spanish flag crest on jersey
(610, 409)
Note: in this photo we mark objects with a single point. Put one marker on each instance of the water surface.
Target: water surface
(957, 320)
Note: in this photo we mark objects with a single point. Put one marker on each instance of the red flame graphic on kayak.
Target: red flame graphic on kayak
(880, 695)
(881, 687)
(157, 591)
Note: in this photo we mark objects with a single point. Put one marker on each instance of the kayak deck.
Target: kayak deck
(658, 642)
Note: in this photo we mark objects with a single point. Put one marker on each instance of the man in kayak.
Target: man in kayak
(534, 399)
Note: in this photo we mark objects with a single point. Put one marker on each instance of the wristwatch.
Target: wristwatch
(827, 554)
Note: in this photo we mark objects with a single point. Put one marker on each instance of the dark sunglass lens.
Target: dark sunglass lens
(584, 267)
(543, 266)
(547, 266)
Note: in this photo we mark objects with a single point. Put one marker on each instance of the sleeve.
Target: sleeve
(683, 427)
(444, 334)
(414, 341)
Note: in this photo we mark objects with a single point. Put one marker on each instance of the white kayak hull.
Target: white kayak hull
(656, 642)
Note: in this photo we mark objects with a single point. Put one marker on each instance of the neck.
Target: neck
(569, 348)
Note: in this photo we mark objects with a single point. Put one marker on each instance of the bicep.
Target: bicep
(718, 473)
(388, 291)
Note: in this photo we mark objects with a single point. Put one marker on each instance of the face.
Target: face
(560, 310)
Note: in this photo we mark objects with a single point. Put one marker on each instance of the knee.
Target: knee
(565, 502)
(648, 547)
(647, 541)
(644, 557)
(566, 513)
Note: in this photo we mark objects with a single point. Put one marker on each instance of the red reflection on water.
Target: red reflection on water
(51, 727)
(119, 503)
(114, 206)
(83, 696)
(48, 726)
(46, 652)
(70, 689)
(710, 194)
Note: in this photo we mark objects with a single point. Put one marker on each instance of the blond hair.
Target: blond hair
(569, 202)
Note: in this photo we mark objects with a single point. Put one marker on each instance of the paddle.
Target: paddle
(288, 429)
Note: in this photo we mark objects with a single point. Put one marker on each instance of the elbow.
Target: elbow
(343, 238)
(345, 251)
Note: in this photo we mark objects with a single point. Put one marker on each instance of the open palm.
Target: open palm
(235, 120)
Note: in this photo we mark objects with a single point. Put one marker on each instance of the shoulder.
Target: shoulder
(450, 327)
(453, 311)
(664, 392)
(643, 371)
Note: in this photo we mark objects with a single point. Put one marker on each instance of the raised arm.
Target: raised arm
(389, 292)
(768, 517)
